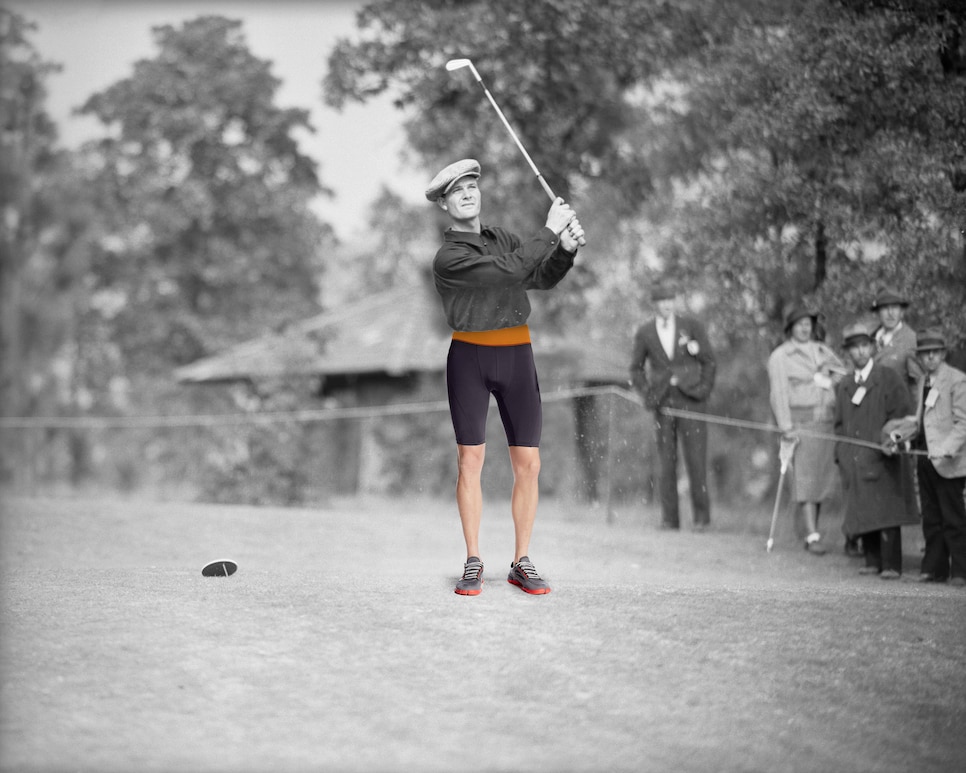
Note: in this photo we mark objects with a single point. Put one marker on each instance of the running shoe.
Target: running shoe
(471, 583)
(525, 577)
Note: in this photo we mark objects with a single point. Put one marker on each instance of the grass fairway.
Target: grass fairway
(339, 645)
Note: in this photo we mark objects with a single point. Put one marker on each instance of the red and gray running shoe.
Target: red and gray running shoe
(471, 583)
(525, 577)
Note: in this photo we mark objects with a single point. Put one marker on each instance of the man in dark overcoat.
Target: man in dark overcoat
(872, 479)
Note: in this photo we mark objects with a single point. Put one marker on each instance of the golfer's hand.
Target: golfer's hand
(572, 236)
(559, 216)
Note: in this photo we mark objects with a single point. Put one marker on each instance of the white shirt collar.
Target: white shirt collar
(885, 336)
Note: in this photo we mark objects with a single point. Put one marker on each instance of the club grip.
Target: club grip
(553, 197)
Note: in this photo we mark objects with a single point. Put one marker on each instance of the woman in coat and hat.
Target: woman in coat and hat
(802, 373)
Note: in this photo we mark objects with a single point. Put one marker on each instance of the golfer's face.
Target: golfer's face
(890, 315)
(464, 199)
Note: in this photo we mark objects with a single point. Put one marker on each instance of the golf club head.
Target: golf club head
(459, 64)
(768, 545)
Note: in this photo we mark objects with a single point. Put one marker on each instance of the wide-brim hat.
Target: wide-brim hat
(930, 339)
(447, 178)
(797, 312)
(888, 296)
(855, 331)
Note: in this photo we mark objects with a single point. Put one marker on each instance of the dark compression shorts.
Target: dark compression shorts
(473, 372)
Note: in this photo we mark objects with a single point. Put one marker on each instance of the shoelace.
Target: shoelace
(472, 571)
(527, 568)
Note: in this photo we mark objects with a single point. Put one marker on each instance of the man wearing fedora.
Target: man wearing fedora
(482, 274)
(876, 492)
(941, 432)
(895, 341)
(672, 366)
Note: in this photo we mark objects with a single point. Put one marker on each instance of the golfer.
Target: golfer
(482, 274)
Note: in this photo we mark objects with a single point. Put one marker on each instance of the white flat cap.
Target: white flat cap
(446, 179)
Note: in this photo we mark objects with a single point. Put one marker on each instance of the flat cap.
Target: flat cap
(930, 338)
(855, 331)
(442, 182)
(888, 296)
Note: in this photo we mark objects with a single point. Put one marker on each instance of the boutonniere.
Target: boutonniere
(689, 344)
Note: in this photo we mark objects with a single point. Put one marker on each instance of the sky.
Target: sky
(358, 149)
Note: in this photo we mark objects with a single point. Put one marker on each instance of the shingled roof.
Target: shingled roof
(395, 332)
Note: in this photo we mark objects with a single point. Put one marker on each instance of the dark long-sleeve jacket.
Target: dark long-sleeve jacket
(878, 489)
(483, 278)
(693, 364)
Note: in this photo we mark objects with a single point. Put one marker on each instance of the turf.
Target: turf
(339, 645)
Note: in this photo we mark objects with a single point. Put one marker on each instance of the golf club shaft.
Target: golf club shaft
(774, 512)
(546, 187)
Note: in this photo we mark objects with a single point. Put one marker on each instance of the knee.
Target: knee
(471, 459)
(526, 463)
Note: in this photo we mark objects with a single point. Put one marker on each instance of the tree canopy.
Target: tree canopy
(759, 151)
(205, 193)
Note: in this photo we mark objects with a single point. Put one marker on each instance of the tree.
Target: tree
(209, 237)
(832, 162)
(763, 150)
(560, 71)
(27, 156)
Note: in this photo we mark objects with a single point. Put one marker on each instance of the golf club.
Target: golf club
(458, 64)
(786, 450)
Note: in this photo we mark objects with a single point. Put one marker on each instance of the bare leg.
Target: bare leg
(469, 494)
(525, 461)
(810, 511)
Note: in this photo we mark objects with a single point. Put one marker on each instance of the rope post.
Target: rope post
(608, 462)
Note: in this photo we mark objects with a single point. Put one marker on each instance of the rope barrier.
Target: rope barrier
(711, 418)
(268, 417)
(400, 409)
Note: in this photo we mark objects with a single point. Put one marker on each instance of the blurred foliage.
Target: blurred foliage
(185, 229)
(27, 154)
(208, 236)
(757, 151)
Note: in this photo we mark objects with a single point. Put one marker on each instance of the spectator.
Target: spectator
(941, 431)
(875, 499)
(895, 347)
(672, 366)
(895, 341)
(802, 374)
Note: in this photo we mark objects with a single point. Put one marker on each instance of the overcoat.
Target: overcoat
(878, 493)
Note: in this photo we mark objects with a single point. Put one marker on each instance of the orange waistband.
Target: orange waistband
(507, 336)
